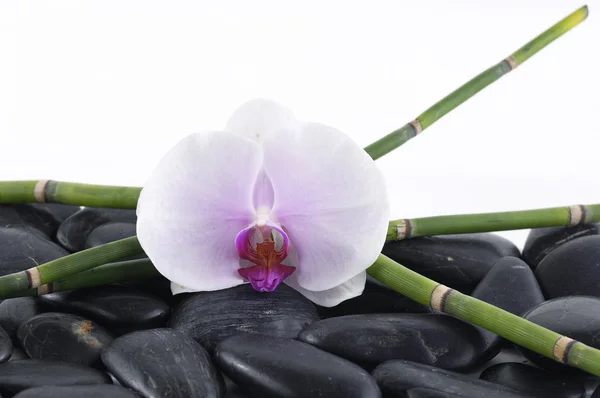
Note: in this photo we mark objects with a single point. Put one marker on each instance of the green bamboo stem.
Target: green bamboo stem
(123, 271)
(403, 134)
(514, 328)
(487, 222)
(69, 265)
(70, 193)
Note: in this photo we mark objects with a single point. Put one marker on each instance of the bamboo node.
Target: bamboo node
(403, 229)
(577, 215)
(416, 124)
(34, 277)
(561, 349)
(439, 296)
(39, 191)
(45, 289)
(511, 61)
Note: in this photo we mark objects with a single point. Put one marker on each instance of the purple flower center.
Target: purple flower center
(267, 272)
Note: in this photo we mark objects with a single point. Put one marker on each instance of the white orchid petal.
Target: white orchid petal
(194, 204)
(331, 198)
(178, 289)
(331, 297)
(257, 118)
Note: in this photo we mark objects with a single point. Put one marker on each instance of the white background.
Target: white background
(98, 91)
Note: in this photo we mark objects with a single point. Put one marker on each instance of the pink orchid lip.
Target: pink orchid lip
(268, 272)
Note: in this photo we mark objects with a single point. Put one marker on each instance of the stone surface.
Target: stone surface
(117, 308)
(45, 219)
(573, 269)
(210, 317)
(21, 249)
(577, 317)
(429, 393)
(16, 376)
(533, 381)
(275, 367)
(542, 241)
(92, 391)
(110, 232)
(396, 377)
(371, 339)
(17, 354)
(63, 337)
(376, 298)
(15, 311)
(163, 363)
(6, 346)
(510, 285)
(596, 393)
(457, 261)
(75, 230)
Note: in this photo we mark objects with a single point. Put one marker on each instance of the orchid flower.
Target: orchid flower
(268, 200)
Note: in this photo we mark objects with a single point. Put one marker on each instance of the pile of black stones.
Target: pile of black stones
(135, 339)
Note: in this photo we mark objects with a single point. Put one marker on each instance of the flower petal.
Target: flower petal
(178, 289)
(257, 118)
(194, 204)
(331, 297)
(331, 199)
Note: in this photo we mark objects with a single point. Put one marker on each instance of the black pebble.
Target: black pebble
(119, 309)
(74, 231)
(21, 249)
(93, 391)
(272, 367)
(572, 269)
(397, 377)
(31, 215)
(510, 285)
(457, 261)
(542, 241)
(577, 317)
(210, 317)
(6, 346)
(429, 393)
(376, 298)
(163, 363)
(16, 376)
(371, 339)
(533, 381)
(15, 311)
(63, 337)
(110, 232)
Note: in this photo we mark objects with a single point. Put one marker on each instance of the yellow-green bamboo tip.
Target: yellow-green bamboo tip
(489, 222)
(512, 327)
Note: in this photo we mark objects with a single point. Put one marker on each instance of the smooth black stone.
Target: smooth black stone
(533, 381)
(117, 308)
(6, 346)
(57, 211)
(396, 377)
(276, 367)
(377, 298)
(370, 339)
(429, 393)
(163, 363)
(232, 390)
(572, 269)
(458, 261)
(158, 286)
(110, 232)
(93, 391)
(74, 231)
(510, 285)
(209, 317)
(21, 249)
(577, 317)
(17, 354)
(16, 215)
(542, 241)
(16, 376)
(596, 393)
(63, 337)
(15, 311)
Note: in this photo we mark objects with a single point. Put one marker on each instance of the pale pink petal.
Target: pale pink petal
(178, 289)
(331, 297)
(193, 206)
(257, 118)
(331, 199)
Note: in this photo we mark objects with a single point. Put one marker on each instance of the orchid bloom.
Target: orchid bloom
(268, 200)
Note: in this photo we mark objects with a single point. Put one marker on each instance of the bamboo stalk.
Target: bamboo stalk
(396, 138)
(69, 193)
(512, 327)
(487, 222)
(67, 266)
